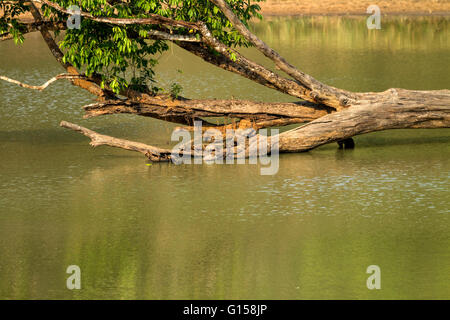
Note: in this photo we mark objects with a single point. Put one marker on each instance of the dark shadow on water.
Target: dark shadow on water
(383, 138)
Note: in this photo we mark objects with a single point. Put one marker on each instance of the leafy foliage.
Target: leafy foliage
(9, 11)
(175, 90)
(121, 54)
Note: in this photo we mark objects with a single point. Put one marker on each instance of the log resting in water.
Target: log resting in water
(395, 109)
(399, 109)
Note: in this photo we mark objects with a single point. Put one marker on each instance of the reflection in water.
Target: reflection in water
(224, 231)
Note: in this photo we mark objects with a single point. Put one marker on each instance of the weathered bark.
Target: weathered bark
(394, 109)
(315, 90)
(304, 87)
(163, 106)
(153, 153)
(56, 52)
(399, 110)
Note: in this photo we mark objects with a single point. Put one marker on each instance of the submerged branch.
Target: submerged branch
(407, 109)
(153, 153)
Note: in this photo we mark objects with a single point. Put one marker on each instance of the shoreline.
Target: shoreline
(358, 15)
(273, 8)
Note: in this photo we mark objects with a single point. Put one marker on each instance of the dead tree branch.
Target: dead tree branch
(320, 92)
(153, 153)
(45, 85)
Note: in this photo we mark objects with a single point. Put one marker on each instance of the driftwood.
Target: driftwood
(327, 114)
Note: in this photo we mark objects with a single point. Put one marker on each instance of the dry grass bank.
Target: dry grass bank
(354, 7)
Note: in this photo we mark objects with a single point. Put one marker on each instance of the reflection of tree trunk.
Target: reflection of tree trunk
(334, 115)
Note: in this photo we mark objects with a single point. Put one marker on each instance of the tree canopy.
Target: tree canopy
(111, 49)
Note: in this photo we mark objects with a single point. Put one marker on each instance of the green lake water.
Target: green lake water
(225, 231)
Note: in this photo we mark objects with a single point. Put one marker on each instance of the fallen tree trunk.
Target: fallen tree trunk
(399, 109)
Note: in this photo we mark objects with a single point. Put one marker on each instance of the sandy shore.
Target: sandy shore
(354, 7)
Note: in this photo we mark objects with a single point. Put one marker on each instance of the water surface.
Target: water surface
(224, 231)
